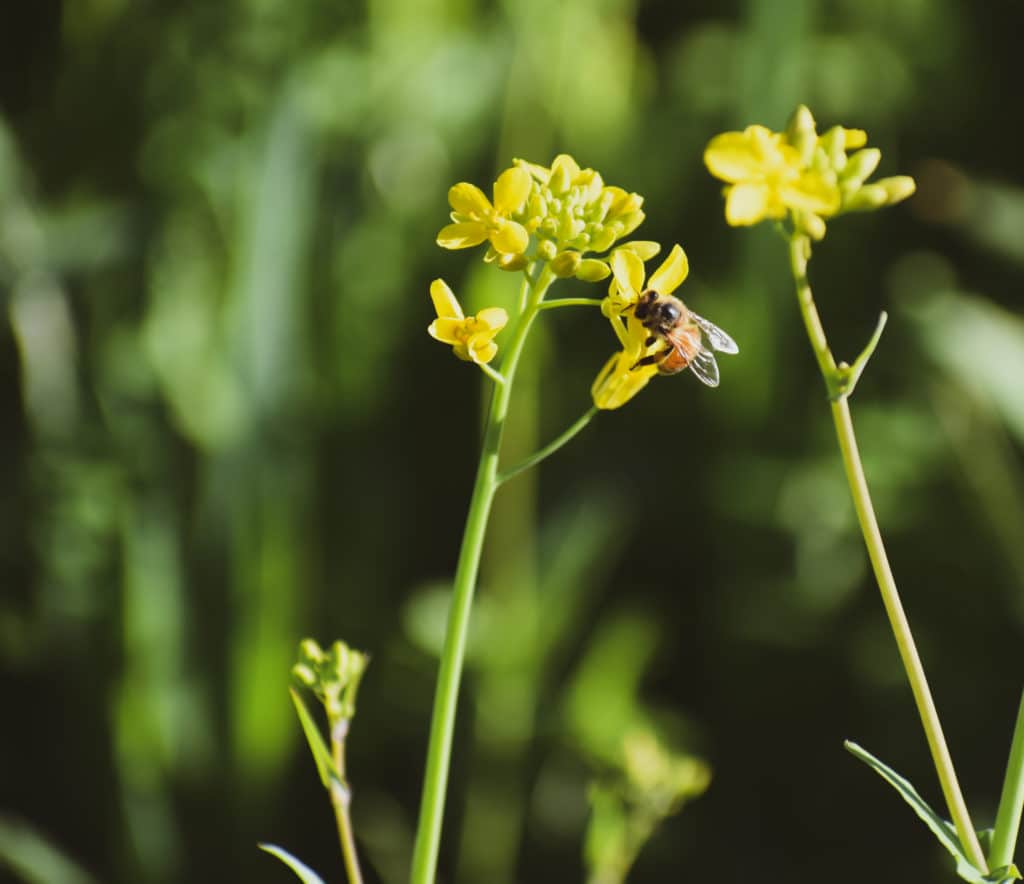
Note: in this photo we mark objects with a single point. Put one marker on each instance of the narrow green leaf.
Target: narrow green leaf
(305, 874)
(940, 828)
(321, 755)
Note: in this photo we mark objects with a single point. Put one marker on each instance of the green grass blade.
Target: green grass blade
(304, 872)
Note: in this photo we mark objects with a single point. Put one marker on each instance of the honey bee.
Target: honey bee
(689, 339)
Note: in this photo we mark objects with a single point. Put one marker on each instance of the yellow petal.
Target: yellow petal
(645, 248)
(481, 351)
(510, 238)
(468, 199)
(811, 193)
(617, 382)
(462, 236)
(629, 272)
(446, 305)
(492, 318)
(670, 275)
(540, 173)
(511, 190)
(564, 160)
(733, 156)
(445, 329)
(746, 204)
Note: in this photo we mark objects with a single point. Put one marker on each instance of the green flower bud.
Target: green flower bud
(304, 675)
(592, 270)
(537, 207)
(310, 651)
(549, 227)
(868, 197)
(833, 143)
(802, 132)
(811, 224)
(898, 188)
(561, 178)
(512, 262)
(564, 264)
(860, 165)
(546, 249)
(602, 238)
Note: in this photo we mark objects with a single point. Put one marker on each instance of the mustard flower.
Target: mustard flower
(476, 219)
(470, 337)
(628, 274)
(767, 177)
(622, 377)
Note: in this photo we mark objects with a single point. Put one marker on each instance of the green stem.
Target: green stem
(799, 253)
(442, 725)
(548, 449)
(341, 799)
(1004, 839)
(571, 302)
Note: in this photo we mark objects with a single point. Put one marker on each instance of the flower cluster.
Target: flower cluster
(556, 222)
(800, 174)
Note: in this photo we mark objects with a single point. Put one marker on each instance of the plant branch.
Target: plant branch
(799, 253)
(571, 302)
(341, 800)
(548, 449)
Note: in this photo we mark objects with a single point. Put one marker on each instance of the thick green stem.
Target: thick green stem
(548, 449)
(442, 725)
(1004, 839)
(799, 252)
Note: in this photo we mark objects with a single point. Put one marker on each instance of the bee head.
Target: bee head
(644, 304)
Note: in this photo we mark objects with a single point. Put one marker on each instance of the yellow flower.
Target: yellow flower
(619, 381)
(622, 378)
(476, 219)
(767, 177)
(628, 277)
(471, 337)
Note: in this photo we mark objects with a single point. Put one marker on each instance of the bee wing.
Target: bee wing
(717, 338)
(704, 366)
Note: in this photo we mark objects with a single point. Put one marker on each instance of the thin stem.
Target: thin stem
(341, 799)
(442, 725)
(548, 449)
(799, 252)
(491, 373)
(1004, 839)
(901, 631)
(571, 302)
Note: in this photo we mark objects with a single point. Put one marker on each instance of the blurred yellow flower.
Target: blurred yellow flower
(767, 177)
(470, 337)
(476, 219)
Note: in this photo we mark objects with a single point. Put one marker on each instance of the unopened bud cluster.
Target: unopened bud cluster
(333, 675)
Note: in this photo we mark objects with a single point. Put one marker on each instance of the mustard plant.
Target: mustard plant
(800, 180)
(546, 223)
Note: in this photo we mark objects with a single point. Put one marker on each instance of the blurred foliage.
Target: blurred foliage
(217, 227)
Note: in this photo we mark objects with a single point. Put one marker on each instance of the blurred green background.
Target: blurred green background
(224, 428)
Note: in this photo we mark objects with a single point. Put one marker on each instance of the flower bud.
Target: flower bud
(564, 264)
(561, 178)
(801, 132)
(592, 270)
(868, 197)
(860, 165)
(631, 222)
(309, 650)
(811, 224)
(897, 188)
(304, 675)
(546, 249)
(512, 262)
(601, 238)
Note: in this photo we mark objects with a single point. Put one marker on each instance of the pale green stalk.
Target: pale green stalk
(442, 726)
(836, 380)
(341, 799)
(1004, 838)
(550, 448)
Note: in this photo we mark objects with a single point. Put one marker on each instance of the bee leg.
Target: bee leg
(653, 359)
(651, 340)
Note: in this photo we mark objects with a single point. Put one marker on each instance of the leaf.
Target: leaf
(321, 755)
(304, 872)
(942, 830)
